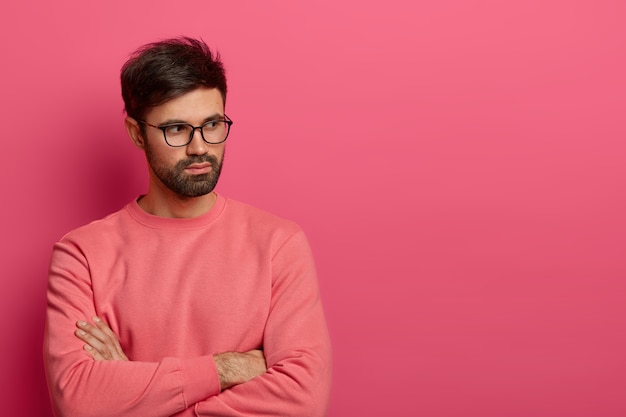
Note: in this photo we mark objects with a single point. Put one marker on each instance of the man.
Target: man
(184, 302)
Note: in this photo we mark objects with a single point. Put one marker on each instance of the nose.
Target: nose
(197, 146)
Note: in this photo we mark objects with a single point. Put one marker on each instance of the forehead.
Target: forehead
(194, 107)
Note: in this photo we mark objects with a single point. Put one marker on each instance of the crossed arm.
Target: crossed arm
(290, 377)
(233, 368)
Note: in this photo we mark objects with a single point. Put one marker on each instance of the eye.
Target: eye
(176, 129)
(211, 125)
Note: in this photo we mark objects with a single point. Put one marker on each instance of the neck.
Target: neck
(175, 206)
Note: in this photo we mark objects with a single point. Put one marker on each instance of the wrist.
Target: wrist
(226, 369)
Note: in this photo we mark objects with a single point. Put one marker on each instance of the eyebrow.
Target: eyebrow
(216, 116)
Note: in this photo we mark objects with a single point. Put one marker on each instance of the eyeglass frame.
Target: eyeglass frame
(162, 128)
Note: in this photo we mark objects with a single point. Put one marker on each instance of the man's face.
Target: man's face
(192, 170)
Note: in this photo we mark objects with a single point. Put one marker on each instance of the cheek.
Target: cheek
(219, 153)
(157, 156)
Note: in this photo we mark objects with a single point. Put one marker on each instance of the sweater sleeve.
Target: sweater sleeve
(296, 346)
(80, 386)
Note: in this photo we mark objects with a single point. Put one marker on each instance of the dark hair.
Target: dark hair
(160, 71)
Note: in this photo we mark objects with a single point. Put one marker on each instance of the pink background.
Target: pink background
(459, 167)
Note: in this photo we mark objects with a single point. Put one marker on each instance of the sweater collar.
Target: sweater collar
(157, 222)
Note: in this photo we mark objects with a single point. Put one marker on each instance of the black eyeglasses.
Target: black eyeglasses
(181, 134)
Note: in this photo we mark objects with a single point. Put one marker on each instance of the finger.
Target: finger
(97, 349)
(93, 353)
(104, 328)
(105, 347)
(93, 331)
(95, 344)
(112, 337)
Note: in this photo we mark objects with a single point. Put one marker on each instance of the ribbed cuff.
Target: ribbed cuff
(200, 379)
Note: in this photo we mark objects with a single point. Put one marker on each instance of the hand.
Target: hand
(235, 368)
(101, 343)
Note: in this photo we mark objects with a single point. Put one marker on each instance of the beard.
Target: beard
(183, 184)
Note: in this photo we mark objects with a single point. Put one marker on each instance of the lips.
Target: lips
(198, 168)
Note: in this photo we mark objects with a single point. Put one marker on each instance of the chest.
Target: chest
(187, 297)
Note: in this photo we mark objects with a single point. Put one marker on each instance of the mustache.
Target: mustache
(198, 159)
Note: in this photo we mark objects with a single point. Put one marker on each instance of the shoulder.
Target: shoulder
(97, 230)
(259, 225)
(257, 217)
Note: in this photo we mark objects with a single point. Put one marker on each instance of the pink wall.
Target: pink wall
(459, 167)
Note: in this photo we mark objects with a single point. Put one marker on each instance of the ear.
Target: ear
(134, 132)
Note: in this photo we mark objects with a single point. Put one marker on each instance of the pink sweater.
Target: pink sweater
(177, 291)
